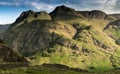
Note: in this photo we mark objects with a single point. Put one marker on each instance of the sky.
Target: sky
(11, 9)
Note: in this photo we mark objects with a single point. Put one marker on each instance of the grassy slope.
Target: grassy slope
(94, 57)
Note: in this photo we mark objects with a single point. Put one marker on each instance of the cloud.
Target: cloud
(43, 6)
(117, 5)
(109, 6)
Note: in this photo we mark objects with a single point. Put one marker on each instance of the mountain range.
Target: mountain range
(87, 40)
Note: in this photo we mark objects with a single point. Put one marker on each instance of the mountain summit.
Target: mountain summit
(64, 12)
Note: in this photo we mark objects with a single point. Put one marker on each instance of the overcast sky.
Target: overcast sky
(11, 9)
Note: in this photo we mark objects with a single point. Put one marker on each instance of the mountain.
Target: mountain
(65, 36)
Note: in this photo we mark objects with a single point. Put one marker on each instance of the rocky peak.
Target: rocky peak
(64, 12)
(62, 9)
(26, 15)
